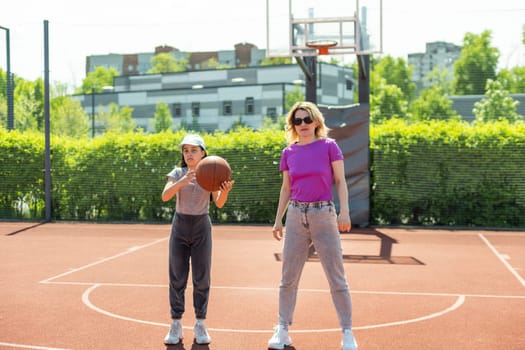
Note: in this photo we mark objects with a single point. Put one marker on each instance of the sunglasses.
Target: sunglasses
(306, 120)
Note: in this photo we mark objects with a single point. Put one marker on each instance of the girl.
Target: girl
(190, 238)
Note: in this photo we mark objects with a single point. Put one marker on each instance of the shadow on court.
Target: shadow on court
(384, 255)
(26, 228)
(194, 346)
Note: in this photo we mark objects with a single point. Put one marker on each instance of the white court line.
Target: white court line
(128, 251)
(307, 290)
(93, 285)
(85, 299)
(21, 346)
(504, 261)
(459, 301)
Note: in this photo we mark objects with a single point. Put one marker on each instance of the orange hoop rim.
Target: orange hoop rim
(322, 46)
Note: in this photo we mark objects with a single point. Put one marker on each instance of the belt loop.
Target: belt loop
(316, 205)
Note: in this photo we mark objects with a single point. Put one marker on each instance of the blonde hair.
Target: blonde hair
(321, 131)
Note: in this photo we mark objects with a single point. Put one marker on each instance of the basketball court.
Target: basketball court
(104, 286)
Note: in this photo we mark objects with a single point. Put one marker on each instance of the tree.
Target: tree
(29, 106)
(166, 63)
(497, 105)
(3, 113)
(476, 64)
(162, 119)
(25, 120)
(274, 61)
(386, 100)
(96, 80)
(38, 94)
(238, 125)
(293, 96)
(270, 124)
(68, 118)
(390, 88)
(3, 99)
(213, 63)
(513, 80)
(396, 72)
(440, 77)
(432, 104)
(117, 119)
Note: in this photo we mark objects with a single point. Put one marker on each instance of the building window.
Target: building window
(176, 110)
(227, 108)
(271, 112)
(249, 106)
(195, 109)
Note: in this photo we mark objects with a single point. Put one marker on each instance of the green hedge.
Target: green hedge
(433, 173)
(121, 177)
(448, 173)
(21, 175)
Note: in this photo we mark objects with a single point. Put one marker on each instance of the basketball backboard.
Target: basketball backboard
(293, 27)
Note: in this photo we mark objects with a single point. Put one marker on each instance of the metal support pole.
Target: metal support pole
(47, 125)
(311, 84)
(10, 87)
(93, 112)
(309, 67)
(363, 77)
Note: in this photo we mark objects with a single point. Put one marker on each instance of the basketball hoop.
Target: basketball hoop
(322, 46)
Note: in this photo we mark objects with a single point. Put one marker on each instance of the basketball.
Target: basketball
(211, 172)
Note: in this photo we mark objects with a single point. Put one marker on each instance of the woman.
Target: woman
(190, 238)
(310, 165)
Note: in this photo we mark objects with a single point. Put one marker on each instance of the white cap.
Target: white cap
(194, 140)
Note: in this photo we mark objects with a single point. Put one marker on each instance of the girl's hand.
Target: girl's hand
(226, 186)
(189, 178)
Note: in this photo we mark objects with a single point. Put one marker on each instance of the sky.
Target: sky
(78, 29)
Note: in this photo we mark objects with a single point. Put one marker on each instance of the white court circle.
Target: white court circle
(460, 299)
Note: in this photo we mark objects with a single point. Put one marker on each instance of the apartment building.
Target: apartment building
(438, 54)
(243, 55)
(216, 99)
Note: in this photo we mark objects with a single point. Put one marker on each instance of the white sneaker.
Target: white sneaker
(280, 338)
(175, 334)
(201, 333)
(348, 342)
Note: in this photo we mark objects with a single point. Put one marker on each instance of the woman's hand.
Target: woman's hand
(343, 221)
(278, 231)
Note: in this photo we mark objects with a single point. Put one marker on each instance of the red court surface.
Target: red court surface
(103, 286)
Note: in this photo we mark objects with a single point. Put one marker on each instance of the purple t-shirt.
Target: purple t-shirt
(310, 169)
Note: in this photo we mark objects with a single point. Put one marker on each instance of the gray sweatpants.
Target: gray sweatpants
(190, 240)
(316, 224)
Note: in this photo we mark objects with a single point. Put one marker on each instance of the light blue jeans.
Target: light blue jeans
(313, 223)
